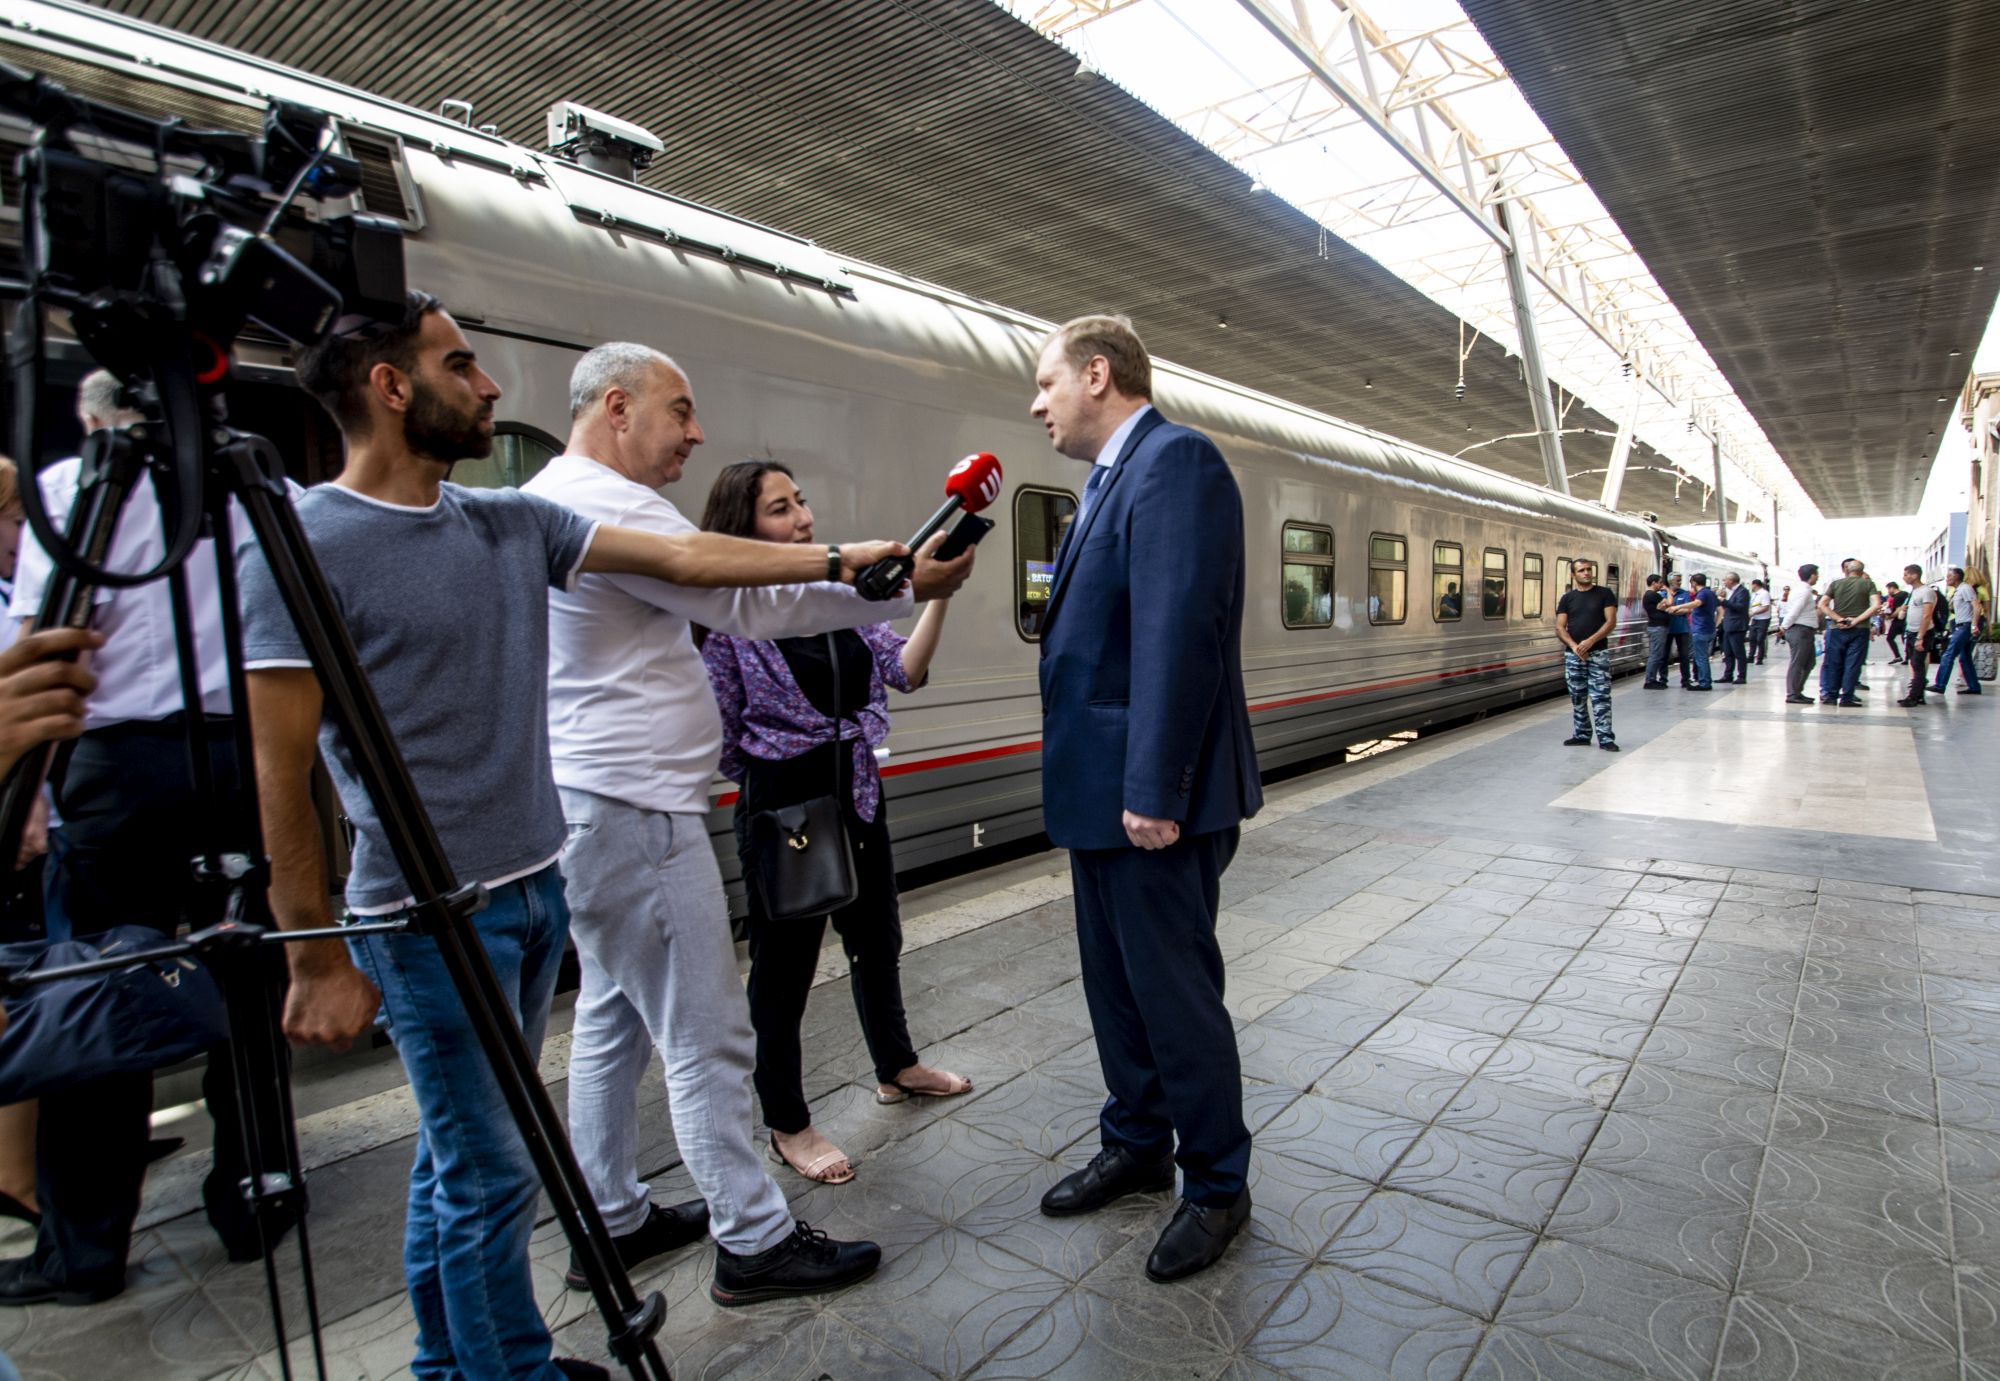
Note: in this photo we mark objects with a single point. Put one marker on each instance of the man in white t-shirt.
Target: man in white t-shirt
(1761, 609)
(1798, 624)
(1923, 609)
(635, 735)
(1964, 605)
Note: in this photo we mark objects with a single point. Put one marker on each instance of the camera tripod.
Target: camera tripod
(190, 451)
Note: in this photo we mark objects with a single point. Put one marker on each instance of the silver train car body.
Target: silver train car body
(869, 384)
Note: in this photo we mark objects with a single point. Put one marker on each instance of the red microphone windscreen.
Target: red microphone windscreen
(975, 481)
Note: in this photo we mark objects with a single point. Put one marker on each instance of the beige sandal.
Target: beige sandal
(820, 1169)
(902, 1093)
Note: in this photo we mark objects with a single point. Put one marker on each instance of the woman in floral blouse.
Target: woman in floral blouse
(778, 745)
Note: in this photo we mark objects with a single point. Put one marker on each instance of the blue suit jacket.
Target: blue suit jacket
(1142, 672)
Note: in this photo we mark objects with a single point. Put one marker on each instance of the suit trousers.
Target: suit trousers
(1153, 978)
(122, 856)
(1799, 643)
(1734, 659)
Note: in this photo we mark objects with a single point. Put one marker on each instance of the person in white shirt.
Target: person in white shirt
(635, 737)
(1798, 625)
(1760, 620)
(128, 827)
(1964, 605)
(1923, 610)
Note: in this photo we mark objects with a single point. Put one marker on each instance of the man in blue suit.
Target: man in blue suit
(1147, 772)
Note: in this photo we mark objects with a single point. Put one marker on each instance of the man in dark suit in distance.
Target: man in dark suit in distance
(1148, 770)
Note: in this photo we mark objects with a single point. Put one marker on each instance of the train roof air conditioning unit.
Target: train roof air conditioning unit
(602, 143)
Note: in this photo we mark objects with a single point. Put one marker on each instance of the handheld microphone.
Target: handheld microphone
(972, 484)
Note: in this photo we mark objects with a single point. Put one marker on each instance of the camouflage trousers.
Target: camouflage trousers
(1589, 682)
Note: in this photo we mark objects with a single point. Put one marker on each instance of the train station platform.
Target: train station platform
(1680, 1062)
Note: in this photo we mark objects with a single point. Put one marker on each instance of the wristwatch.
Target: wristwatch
(832, 562)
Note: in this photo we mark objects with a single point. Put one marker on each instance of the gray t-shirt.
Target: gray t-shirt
(449, 608)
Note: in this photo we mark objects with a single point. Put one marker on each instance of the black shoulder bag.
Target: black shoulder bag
(804, 862)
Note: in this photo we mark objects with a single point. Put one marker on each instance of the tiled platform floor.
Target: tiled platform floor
(1538, 1091)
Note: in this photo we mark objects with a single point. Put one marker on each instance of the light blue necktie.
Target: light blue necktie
(1090, 488)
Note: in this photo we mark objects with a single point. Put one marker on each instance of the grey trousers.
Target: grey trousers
(651, 926)
(1799, 640)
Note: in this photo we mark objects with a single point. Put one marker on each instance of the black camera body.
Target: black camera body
(213, 248)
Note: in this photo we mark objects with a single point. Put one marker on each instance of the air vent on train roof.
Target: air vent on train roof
(387, 189)
(602, 143)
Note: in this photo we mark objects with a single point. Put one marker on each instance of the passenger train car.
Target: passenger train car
(1390, 587)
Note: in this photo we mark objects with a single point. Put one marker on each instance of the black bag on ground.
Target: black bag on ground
(126, 1021)
(803, 860)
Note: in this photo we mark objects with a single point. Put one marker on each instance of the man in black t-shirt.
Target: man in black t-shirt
(1585, 617)
(1659, 631)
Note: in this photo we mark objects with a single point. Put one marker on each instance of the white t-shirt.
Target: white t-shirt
(631, 714)
(1917, 613)
(1801, 608)
(138, 672)
(1964, 604)
(1760, 604)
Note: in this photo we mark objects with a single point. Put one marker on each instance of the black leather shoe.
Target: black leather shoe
(1610, 745)
(1112, 1173)
(1798, 700)
(1196, 1238)
(1852, 704)
(1910, 700)
(1581, 741)
(576, 1369)
(664, 1230)
(806, 1263)
(21, 1283)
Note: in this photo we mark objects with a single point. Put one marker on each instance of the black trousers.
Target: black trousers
(1919, 665)
(1734, 660)
(1682, 655)
(1152, 975)
(1760, 636)
(122, 856)
(784, 955)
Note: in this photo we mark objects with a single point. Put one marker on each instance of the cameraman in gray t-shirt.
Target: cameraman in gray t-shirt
(445, 590)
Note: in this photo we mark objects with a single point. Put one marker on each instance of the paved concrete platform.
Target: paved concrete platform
(1683, 1062)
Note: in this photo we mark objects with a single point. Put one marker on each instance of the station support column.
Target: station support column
(1547, 427)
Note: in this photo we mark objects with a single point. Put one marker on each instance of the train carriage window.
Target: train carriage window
(1447, 581)
(1531, 585)
(1041, 517)
(1493, 585)
(1565, 575)
(1388, 578)
(1611, 581)
(1308, 576)
(519, 453)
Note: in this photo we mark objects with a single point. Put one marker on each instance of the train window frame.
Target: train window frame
(1565, 575)
(1485, 569)
(1441, 570)
(526, 431)
(1393, 566)
(1531, 582)
(1022, 493)
(1308, 561)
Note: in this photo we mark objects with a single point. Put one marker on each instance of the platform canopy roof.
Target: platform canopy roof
(1816, 186)
(957, 141)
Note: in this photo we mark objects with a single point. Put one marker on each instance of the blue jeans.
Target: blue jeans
(1657, 641)
(473, 1188)
(1704, 643)
(1846, 650)
(1957, 649)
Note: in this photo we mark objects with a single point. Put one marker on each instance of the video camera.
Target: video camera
(221, 228)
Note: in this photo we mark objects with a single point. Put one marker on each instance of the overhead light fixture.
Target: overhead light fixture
(1086, 71)
(1368, 383)
(1257, 183)
(1222, 323)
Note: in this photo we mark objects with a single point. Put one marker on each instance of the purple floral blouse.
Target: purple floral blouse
(765, 714)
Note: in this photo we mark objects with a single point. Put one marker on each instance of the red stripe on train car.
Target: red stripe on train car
(728, 798)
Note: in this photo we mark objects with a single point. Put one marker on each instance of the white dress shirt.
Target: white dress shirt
(138, 672)
(1107, 454)
(1802, 608)
(631, 714)
(1760, 604)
